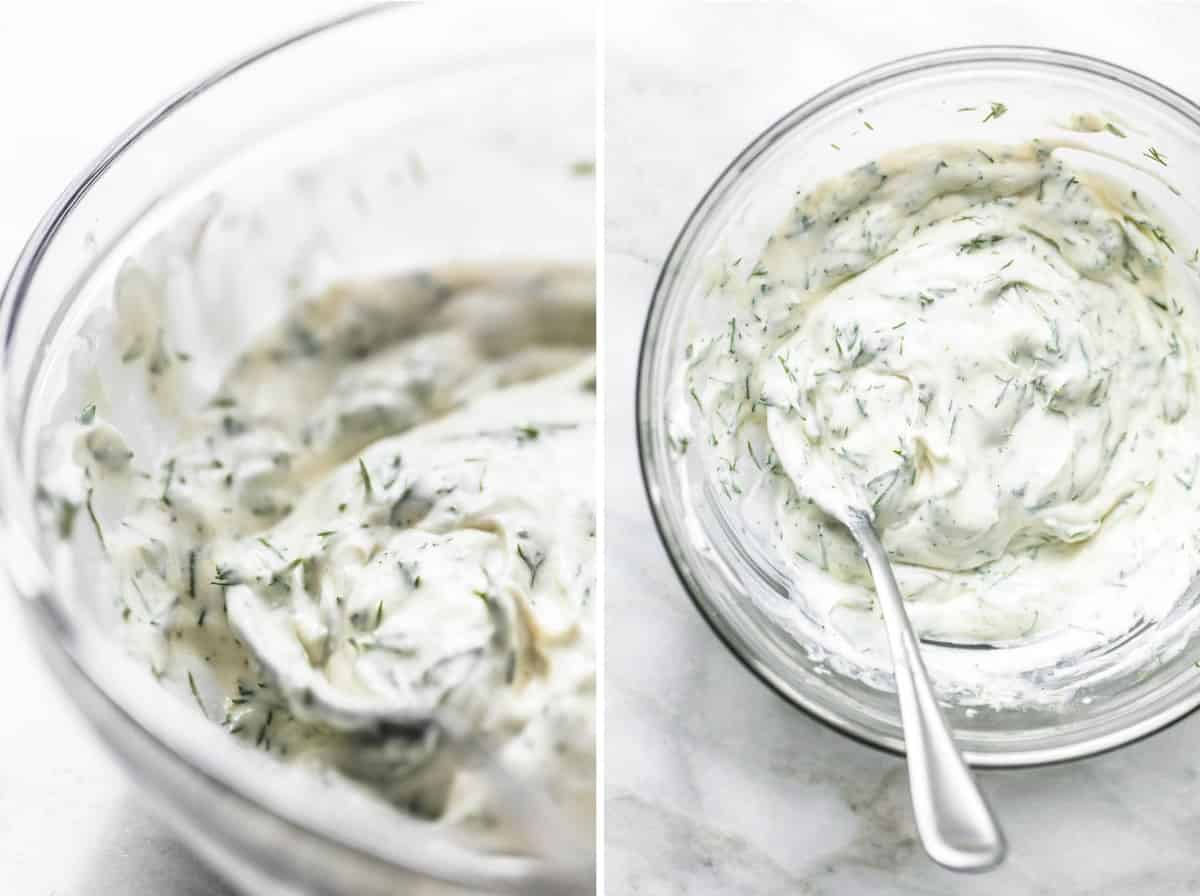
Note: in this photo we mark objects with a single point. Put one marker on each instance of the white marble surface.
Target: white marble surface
(714, 784)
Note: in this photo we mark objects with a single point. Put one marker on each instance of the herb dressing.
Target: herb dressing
(385, 515)
(987, 348)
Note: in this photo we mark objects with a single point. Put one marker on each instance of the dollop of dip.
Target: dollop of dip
(373, 548)
(985, 347)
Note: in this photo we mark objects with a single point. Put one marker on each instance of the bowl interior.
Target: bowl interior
(401, 138)
(1124, 690)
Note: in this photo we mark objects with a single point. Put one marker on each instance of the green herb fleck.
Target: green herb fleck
(782, 363)
(996, 111)
(1162, 238)
(979, 242)
(196, 693)
(1190, 480)
(1156, 156)
(95, 522)
(166, 492)
(530, 564)
(270, 547)
(262, 734)
(366, 479)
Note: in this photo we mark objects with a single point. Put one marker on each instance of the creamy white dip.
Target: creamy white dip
(373, 549)
(986, 348)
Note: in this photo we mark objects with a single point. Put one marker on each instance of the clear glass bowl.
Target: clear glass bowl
(399, 136)
(1123, 694)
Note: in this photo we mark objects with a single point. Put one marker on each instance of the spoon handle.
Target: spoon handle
(956, 826)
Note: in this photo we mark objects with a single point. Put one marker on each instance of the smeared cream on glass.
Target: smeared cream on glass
(373, 549)
(983, 346)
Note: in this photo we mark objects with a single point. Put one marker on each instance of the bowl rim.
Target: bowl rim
(842, 91)
(73, 651)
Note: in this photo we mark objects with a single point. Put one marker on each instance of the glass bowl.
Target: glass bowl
(1126, 690)
(394, 137)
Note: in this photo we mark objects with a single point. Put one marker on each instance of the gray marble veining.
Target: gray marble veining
(714, 784)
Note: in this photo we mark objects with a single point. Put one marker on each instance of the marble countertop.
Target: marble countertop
(714, 784)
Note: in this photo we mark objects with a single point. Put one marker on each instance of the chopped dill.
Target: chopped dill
(166, 492)
(753, 456)
(782, 363)
(270, 547)
(996, 111)
(532, 566)
(95, 522)
(1156, 156)
(1162, 238)
(368, 488)
(196, 693)
(979, 242)
(1190, 480)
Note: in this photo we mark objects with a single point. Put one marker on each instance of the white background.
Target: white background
(72, 76)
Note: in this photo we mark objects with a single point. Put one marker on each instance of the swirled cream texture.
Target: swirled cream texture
(373, 548)
(984, 346)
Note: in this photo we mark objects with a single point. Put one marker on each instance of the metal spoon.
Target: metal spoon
(956, 826)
